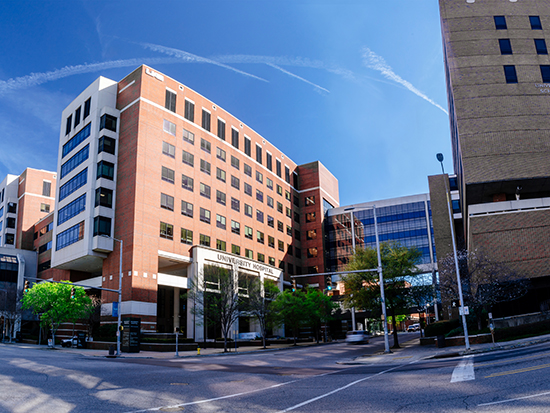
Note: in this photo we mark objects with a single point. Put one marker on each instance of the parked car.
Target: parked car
(70, 342)
(413, 327)
(357, 337)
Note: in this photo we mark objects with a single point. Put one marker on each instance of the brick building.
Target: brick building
(183, 184)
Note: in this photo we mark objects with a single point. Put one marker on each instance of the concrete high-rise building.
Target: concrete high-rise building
(498, 82)
(183, 184)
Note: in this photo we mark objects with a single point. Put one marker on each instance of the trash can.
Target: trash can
(440, 341)
(81, 340)
(111, 350)
(18, 337)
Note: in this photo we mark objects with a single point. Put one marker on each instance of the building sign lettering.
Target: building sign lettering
(245, 264)
(154, 74)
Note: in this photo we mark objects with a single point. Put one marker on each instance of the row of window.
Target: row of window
(500, 23)
(506, 46)
(43, 231)
(511, 75)
(77, 116)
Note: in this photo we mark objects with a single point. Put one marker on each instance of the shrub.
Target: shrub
(459, 331)
(107, 332)
(526, 330)
(441, 328)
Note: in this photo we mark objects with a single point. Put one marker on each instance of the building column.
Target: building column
(176, 308)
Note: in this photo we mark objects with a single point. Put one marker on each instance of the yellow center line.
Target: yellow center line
(511, 360)
(543, 366)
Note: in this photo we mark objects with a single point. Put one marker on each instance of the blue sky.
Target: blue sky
(356, 84)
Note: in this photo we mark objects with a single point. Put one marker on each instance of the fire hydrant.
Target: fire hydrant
(198, 351)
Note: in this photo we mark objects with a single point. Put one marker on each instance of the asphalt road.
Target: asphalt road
(302, 380)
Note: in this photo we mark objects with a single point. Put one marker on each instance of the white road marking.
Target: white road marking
(464, 371)
(513, 400)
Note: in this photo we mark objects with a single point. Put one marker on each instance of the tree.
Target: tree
(318, 309)
(291, 310)
(398, 268)
(485, 282)
(216, 298)
(54, 305)
(259, 301)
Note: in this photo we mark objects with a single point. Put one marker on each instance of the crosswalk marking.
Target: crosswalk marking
(464, 371)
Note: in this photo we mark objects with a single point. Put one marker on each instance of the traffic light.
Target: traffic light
(293, 285)
(26, 288)
(329, 283)
(72, 293)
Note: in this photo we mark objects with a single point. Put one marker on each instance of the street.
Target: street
(306, 379)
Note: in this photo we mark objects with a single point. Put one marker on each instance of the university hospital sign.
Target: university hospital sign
(245, 264)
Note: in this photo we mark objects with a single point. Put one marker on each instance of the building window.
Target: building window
(288, 197)
(500, 23)
(310, 217)
(220, 154)
(220, 197)
(69, 125)
(205, 145)
(247, 189)
(10, 222)
(259, 195)
(104, 197)
(77, 116)
(235, 162)
(540, 45)
(170, 101)
(235, 138)
(268, 161)
(296, 217)
(235, 227)
(166, 230)
(298, 252)
(205, 166)
(76, 160)
(295, 180)
(220, 221)
(106, 145)
(235, 183)
(247, 145)
(510, 74)
(87, 106)
(261, 257)
(105, 170)
(259, 215)
(45, 208)
(289, 249)
(167, 202)
(67, 237)
(279, 190)
(312, 252)
(167, 174)
(281, 245)
(76, 140)
(204, 240)
(271, 242)
(287, 174)
(205, 215)
(220, 174)
(46, 264)
(248, 210)
(248, 232)
(248, 253)
(271, 221)
(187, 209)
(188, 137)
(77, 182)
(12, 207)
(535, 23)
(221, 129)
(189, 110)
(289, 230)
(187, 182)
(269, 183)
(258, 154)
(271, 261)
(505, 46)
(278, 164)
(108, 122)
(235, 204)
(46, 188)
(269, 201)
(288, 212)
(188, 158)
(220, 245)
(186, 236)
(206, 120)
(102, 226)
(279, 207)
(310, 200)
(311, 234)
(260, 237)
(169, 150)
(280, 226)
(296, 201)
(235, 249)
(545, 72)
(205, 190)
(259, 177)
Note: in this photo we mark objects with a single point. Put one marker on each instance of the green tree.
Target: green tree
(318, 309)
(291, 310)
(53, 304)
(259, 301)
(363, 289)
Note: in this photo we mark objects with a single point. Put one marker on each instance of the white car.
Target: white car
(413, 327)
(357, 337)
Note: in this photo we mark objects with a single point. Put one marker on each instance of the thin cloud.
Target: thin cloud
(373, 61)
(35, 79)
(191, 58)
(317, 87)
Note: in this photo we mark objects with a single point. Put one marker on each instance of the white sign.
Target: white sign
(154, 74)
(466, 310)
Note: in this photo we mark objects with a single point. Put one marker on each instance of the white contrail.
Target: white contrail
(35, 79)
(191, 58)
(317, 87)
(373, 61)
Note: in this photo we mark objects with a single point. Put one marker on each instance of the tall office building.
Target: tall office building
(183, 184)
(498, 82)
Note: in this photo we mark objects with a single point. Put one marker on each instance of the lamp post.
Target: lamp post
(119, 321)
(447, 194)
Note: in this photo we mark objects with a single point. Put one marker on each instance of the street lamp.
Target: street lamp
(447, 194)
(119, 322)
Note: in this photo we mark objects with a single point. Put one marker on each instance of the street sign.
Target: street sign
(466, 310)
(115, 309)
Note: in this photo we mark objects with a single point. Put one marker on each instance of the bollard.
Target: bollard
(198, 351)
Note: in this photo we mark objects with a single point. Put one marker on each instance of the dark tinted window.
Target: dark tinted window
(510, 74)
(500, 23)
(540, 45)
(505, 46)
(545, 72)
(535, 22)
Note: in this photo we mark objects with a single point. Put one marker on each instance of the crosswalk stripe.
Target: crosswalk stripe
(464, 371)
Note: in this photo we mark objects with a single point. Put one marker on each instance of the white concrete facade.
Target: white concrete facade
(8, 210)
